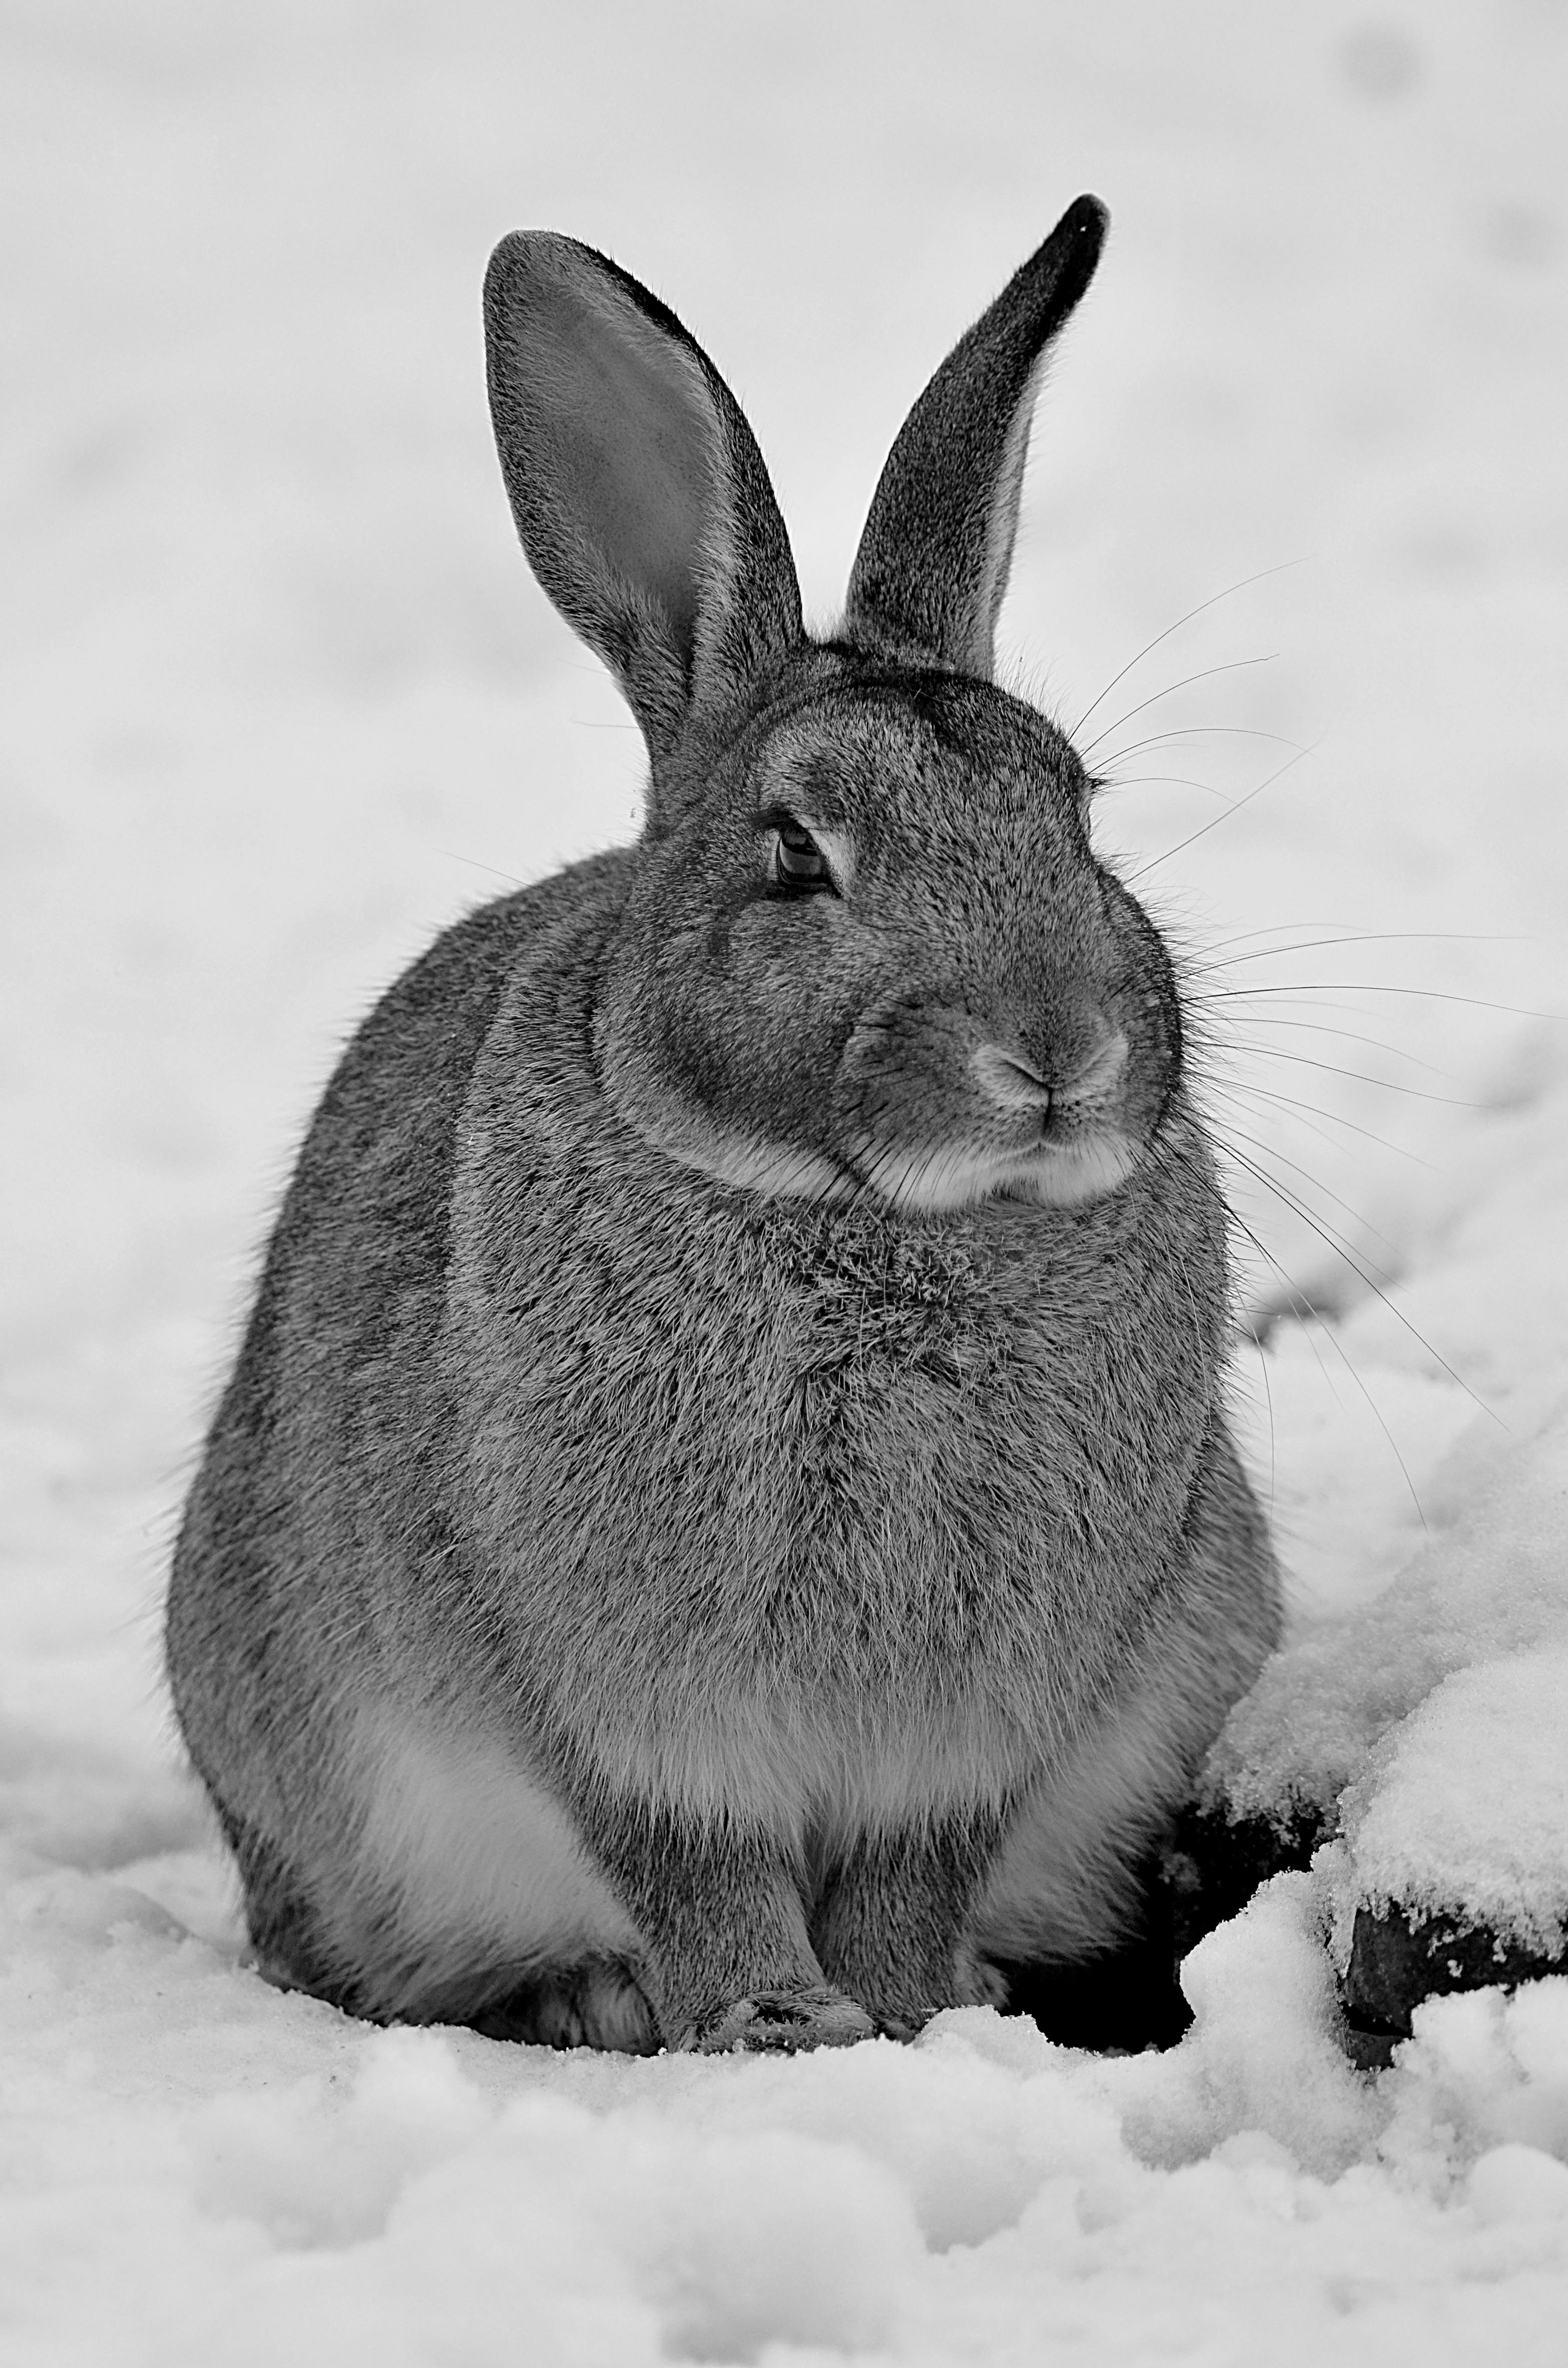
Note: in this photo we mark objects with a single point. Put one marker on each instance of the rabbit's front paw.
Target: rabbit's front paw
(781, 2021)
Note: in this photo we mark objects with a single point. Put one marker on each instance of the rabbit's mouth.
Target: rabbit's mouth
(1085, 1150)
(993, 1125)
(1063, 1174)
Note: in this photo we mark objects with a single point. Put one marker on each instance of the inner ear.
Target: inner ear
(626, 435)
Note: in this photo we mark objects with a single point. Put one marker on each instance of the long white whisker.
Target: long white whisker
(1316, 1028)
(1327, 1234)
(1205, 732)
(1269, 1151)
(1233, 666)
(1334, 1118)
(1193, 836)
(1359, 1076)
(1305, 990)
(1213, 602)
(1161, 780)
(1375, 938)
(1309, 1328)
(1219, 1094)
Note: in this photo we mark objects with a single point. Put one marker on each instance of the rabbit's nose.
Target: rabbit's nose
(1016, 1084)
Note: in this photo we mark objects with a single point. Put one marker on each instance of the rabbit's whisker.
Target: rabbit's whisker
(1318, 1028)
(1203, 732)
(1311, 1323)
(1296, 1300)
(1204, 674)
(1213, 602)
(1160, 780)
(1268, 1150)
(1268, 1399)
(1300, 997)
(1293, 1303)
(1202, 832)
(1220, 1095)
(1359, 1076)
(475, 865)
(1372, 937)
(1249, 1091)
(1332, 1240)
(1305, 989)
(1275, 929)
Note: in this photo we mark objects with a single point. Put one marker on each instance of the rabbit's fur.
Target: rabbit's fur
(723, 1526)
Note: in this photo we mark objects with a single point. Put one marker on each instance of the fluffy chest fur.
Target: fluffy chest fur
(812, 1504)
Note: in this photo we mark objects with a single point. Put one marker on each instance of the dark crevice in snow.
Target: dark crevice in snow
(1397, 1959)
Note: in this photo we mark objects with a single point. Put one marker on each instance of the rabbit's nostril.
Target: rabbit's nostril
(1010, 1079)
(1099, 1075)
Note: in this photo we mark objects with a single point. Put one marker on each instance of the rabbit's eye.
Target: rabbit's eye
(798, 861)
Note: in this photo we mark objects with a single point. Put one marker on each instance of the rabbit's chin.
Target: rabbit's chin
(1066, 1175)
(1056, 1175)
(931, 1181)
(924, 1183)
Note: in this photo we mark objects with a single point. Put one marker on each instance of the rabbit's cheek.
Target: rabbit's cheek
(741, 1151)
(905, 1114)
(712, 1107)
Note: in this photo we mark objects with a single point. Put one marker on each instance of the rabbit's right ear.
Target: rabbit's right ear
(641, 500)
(933, 561)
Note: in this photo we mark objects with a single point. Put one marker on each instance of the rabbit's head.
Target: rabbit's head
(867, 947)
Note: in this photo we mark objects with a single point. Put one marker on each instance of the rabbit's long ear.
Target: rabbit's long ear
(641, 500)
(933, 561)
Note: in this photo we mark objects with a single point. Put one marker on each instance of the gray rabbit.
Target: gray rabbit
(724, 1527)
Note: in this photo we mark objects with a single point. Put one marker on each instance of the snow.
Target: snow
(204, 2170)
(1490, 1585)
(280, 699)
(1465, 1808)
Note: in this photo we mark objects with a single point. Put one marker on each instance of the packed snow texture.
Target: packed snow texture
(1430, 1724)
(279, 700)
(1463, 1807)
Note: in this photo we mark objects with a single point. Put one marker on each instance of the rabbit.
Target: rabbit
(723, 1531)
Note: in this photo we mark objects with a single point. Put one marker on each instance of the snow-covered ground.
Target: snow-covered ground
(280, 699)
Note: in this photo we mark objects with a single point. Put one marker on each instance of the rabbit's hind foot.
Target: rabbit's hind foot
(780, 2022)
(598, 2004)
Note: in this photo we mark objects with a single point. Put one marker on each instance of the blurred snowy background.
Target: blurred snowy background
(280, 698)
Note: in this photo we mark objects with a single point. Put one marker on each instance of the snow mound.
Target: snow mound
(1495, 1585)
(1424, 1727)
(253, 2178)
(1464, 1806)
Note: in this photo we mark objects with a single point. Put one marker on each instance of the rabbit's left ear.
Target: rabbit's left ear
(933, 561)
(637, 489)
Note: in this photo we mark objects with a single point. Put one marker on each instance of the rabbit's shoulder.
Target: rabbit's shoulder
(407, 1068)
(380, 1146)
(356, 1260)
